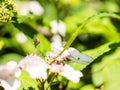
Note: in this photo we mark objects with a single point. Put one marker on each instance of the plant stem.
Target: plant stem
(77, 32)
(51, 81)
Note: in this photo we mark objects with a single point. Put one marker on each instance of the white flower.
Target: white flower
(56, 50)
(5, 85)
(30, 7)
(57, 68)
(70, 54)
(66, 71)
(7, 76)
(35, 66)
(58, 27)
(71, 74)
(56, 41)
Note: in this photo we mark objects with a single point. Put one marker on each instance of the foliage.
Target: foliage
(92, 27)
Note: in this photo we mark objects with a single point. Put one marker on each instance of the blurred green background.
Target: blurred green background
(99, 38)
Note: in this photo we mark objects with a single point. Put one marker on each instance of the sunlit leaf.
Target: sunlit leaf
(26, 82)
(87, 87)
(44, 45)
(106, 72)
(97, 52)
(1, 44)
(111, 74)
(8, 57)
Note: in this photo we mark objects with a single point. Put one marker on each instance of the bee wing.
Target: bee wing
(78, 57)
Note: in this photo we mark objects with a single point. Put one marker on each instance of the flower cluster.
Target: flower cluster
(4, 15)
(58, 27)
(7, 11)
(37, 68)
(8, 78)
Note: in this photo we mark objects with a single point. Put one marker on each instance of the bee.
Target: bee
(36, 41)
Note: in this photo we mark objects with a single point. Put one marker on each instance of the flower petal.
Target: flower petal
(36, 67)
(71, 74)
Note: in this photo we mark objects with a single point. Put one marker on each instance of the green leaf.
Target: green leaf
(44, 45)
(1, 44)
(78, 31)
(26, 29)
(104, 27)
(22, 19)
(97, 75)
(112, 75)
(107, 71)
(87, 87)
(74, 86)
(9, 57)
(72, 21)
(97, 52)
(27, 82)
(28, 46)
